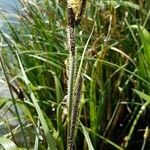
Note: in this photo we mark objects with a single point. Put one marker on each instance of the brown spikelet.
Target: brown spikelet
(75, 109)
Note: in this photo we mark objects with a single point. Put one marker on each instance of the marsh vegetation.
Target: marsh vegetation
(114, 108)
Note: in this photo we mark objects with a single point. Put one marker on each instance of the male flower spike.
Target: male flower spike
(78, 7)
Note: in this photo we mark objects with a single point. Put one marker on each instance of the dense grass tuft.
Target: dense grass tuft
(113, 57)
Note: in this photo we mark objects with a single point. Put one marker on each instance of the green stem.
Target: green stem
(135, 122)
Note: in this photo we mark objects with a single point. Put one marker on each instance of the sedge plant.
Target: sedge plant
(106, 78)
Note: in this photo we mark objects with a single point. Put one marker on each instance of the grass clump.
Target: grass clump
(110, 81)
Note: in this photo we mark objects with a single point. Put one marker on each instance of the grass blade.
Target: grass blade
(7, 144)
(50, 140)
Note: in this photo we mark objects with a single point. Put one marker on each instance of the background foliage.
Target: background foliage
(34, 54)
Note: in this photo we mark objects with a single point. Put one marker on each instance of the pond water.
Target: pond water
(7, 7)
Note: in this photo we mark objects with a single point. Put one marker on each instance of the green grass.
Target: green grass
(113, 44)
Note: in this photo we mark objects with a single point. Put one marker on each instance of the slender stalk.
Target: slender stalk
(134, 123)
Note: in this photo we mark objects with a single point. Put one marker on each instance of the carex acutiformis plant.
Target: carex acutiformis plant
(75, 11)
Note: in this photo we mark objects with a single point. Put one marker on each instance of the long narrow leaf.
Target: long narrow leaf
(86, 135)
(142, 95)
(7, 144)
